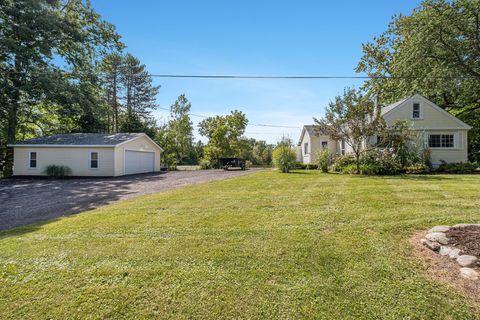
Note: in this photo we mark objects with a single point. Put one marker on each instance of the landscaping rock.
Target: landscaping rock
(452, 253)
(469, 273)
(439, 237)
(467, 261)
(463, 225)
(439, 229)
(444, 250)
(434, 246)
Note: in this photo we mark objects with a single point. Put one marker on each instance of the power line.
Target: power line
(299, 77)
(250, 124)
(215, 76)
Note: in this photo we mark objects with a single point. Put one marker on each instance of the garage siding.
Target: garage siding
(77, 159)
(140, 144)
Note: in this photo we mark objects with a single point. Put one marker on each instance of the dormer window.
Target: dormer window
(416, 110)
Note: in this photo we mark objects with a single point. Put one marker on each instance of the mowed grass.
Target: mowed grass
(304, 245)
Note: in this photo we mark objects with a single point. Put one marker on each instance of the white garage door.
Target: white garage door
(139, 162)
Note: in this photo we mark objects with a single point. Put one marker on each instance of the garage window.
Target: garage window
(93, 160)
(33, 160)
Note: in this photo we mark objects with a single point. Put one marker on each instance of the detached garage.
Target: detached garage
(88, 154)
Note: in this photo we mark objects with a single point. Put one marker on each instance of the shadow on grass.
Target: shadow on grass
(417, 177)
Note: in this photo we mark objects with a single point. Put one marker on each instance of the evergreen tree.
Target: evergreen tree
(139, 93)
(112, 64)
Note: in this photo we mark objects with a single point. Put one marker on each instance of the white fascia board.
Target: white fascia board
(58, 146)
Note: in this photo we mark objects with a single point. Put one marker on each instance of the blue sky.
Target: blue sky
(251, 38)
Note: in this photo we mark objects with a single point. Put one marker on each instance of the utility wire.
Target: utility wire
(208, 76)
(230, 76)
(250, 124)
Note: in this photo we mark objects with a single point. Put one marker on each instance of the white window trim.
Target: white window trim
(306, 146)
(420, 103)
(90, 160)
(455, 141)
(30, 160)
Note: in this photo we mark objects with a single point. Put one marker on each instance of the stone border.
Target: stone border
(437, 241)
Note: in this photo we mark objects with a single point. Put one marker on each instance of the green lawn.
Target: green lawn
(265, 245)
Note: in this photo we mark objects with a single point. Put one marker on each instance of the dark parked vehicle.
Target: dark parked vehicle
(227, 163)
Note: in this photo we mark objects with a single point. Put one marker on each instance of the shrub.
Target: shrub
(382, 162)
(349, 169)
(284, 157)
(419, 168)
(467, 167)
(368, 169)
(323, 159)
(205, 164)
(55, 171)
(248, 163)
(340, 162)
(301, 166)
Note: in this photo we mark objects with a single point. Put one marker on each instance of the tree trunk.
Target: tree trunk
(12, 123)
(12, 118)
(357, 162)
(115, 106)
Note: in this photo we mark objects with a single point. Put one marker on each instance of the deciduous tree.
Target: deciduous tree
(224, 135)
(434, 51)
(352, 118)
(48, 55)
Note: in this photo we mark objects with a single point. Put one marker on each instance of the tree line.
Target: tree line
(225, 136)
(65, 69)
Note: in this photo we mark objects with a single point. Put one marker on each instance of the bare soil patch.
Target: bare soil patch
(467, 239)
(444, 270)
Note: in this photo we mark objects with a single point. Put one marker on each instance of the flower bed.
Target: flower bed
(460, 242)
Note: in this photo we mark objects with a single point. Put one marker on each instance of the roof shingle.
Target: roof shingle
(75, 139)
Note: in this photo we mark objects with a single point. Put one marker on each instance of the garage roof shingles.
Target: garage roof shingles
(82, 139)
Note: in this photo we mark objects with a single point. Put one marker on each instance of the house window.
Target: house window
(343, 147)
(305, 148)
(324, 144)
(379, 140)
(416, 111)
(93, 160)
(441, 141)
(33, 159)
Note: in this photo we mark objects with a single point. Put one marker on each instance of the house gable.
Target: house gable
(432, 117)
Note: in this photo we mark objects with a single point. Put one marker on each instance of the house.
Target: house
(88, 154)
(445, 135)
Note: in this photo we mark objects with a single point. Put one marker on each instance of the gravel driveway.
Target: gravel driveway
(25, 201)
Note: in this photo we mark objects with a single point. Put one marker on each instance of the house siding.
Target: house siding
(433, 121)
(456, 154)
(76, 158)
(314, 145)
